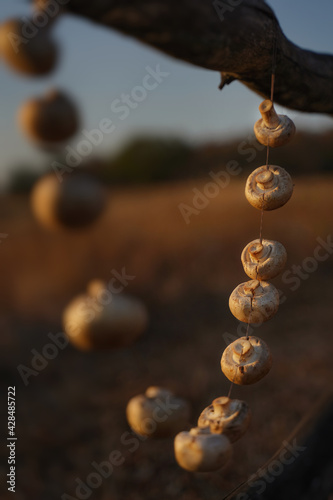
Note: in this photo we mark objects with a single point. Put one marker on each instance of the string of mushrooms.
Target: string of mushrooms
(63, 199)
(67, 199)
(207, 447)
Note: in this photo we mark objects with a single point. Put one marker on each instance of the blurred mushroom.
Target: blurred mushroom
(49, 119)
(230, 417)
(35, 55)
(74, 203)
(101, 319)
(201, 451)
(246, 360)
(157, 413)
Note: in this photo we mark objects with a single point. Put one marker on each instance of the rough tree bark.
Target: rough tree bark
(234, 37)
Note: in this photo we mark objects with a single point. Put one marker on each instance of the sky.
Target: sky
(98, 65)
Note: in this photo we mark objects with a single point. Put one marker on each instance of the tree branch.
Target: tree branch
(234, 37)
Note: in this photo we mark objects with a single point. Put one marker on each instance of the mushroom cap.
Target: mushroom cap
(49, 119)
(105, 320)
(201, 451)
(74, 203)
(273, 130)
(254, 301)
(230, 417)
(37, 57)
(245, 361)
(157, 413)
(263, 260)
(268, 188)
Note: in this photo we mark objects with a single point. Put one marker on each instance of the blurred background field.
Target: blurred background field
(72, 412)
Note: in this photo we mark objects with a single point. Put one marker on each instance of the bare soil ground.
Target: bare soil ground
(73, 412)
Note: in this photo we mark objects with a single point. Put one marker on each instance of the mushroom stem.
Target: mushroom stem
(269, 115)
(251, 286)
(221, 406)
(265, 180)
(96, 287)
(242, 350)
(257, 251)
(157, 392)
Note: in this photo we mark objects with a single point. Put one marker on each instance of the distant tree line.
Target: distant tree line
(147, 160)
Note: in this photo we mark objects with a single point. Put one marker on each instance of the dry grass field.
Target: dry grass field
(73, 412)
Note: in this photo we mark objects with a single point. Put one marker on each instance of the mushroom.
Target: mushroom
(74, 203)
(230, 417)
(254, 301)
(246, 360)
(34, 56)
(268, 187)
(157, 413)
(101, 319)
(49, 119)
(272, 129)
(198, 450)
(263, 260)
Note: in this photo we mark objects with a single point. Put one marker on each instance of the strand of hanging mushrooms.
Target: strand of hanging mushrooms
(207, 447)
(66, 198)
(72, 197)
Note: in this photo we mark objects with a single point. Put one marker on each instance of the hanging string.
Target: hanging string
(231, 386)
(273, 65)
(267, 156)
(272, 99)
(267, 160)
(272, 84)
(261, 225)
